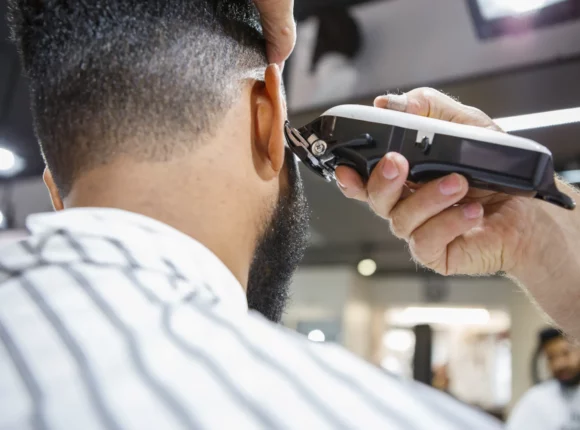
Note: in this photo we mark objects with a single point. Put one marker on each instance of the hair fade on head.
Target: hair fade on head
(145, 78)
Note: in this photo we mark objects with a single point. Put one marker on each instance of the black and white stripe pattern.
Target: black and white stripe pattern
(110, 320)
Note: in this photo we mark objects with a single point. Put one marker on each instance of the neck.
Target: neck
(165, 192)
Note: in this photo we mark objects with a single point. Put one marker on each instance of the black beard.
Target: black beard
(570, 383)
(280, 249)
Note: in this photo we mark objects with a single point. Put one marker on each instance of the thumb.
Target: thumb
(422, 101)
(279, 28)
(434, 104)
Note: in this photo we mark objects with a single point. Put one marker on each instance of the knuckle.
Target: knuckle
(422, 93)
(479, 116)
(395, 229)
(428, 95)
(420, 245)
(398, 225)
(376, 208)
(475, 111)
(417, 242)
(427, 92)
(423, 101)
(430, 102)
(434, 264)
(351, 194)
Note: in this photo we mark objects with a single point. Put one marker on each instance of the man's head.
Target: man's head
(563, 357)
(110, 77)
(165, 107)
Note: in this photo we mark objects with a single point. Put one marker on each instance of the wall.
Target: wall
(360, 303)
(500, 294)
(319, 295)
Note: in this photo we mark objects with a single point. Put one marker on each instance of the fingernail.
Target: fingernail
(340, 185)
(390, 169)
(450, 185)
(473, 211)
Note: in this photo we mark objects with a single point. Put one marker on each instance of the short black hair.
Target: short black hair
(144, 78)
(548, 334)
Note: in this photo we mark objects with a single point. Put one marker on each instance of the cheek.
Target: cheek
(267, 209)
(270, 194)
(287, 168)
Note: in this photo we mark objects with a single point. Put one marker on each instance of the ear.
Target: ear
(52, 190)
(269, 113)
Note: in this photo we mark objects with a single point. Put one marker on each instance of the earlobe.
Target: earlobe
(57, 203)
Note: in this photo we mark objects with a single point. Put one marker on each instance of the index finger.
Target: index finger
(434, 104)
(277, 18)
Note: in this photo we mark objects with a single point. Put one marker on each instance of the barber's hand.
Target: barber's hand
(279, 28)
(450, 228)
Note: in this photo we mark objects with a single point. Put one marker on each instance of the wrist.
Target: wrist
(549, 269)
(547, 248)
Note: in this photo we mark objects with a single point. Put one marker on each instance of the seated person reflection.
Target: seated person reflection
(554, 404)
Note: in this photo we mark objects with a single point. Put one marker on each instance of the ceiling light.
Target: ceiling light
(526, 6)
(367, 267)
(10, 163)
(7, 160)
(572, 176)
(316, 336)
(494, 18)
(399, 340)
(493, 9)
(539, 120)
(445, 316)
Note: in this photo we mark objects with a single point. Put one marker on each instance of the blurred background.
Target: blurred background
(517, 60)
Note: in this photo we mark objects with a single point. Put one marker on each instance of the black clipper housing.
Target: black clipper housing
(359, 136)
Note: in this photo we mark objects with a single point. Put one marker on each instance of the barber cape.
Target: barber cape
(547, 406)
(111, 320)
